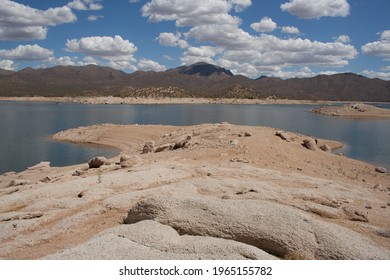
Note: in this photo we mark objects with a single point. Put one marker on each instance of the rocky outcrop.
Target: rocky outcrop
(152, 240)
(277, 229)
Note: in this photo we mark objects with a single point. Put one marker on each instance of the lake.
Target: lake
(26, 128)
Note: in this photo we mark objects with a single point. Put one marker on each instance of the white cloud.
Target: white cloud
(290, 30)
(117, 52)
(7, 64)
(104, 46)
(343, 39)
(64, 61)
(95, 17)
(379, 75)
(172, 40)
(191, 13)
(26, 53)
(225, 36)
(226, 44)
(316, 9)
(379, 48)
(21, 22)
(240, 5)
(85, 5)
(200, 54)
(150, 65)
(133, 1)
(265, 25)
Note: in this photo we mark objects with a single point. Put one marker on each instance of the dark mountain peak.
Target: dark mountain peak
(203, 69)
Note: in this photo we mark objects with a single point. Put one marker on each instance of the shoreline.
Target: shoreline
(163, 100)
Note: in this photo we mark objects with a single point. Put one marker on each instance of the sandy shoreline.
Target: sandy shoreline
(138, 100)
(197, 185)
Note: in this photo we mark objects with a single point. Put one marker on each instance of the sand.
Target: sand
(354, 110)
(213, 191)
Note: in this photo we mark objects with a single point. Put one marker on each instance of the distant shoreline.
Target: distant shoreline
(168, 100)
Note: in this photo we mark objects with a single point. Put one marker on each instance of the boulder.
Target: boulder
(381, 169)
(277, 229)
(148, 147)
(325, 148)
(150, 240)
(283, 135)
(96, 162)
(310, 144)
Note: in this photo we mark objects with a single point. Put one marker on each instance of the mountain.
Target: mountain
(203, 69)
(4, 72)
(197, 80)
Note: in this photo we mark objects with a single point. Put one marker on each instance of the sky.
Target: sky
(278, 38)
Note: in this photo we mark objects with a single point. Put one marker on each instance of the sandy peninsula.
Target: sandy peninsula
(211, 191)
(355, 110)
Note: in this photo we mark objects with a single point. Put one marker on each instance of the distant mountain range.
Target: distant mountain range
(197, 80)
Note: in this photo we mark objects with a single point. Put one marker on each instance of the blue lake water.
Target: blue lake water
(25, 128)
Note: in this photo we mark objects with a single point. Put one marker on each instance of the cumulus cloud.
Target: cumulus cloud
(227, 45)
(343, 39)
(21, 22)
(200, 54)
(380, 75)
(7, 64)
(192, 13)
(266, 24)
(103, 46)
(116, 51)
(26, 53)
(240, 5)
(172, 40)
(290, 30)
(379, 48)
(85, 5)
(225, 36)
(316, 9)
(150, 65)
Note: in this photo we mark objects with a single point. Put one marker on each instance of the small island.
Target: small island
(353, 110)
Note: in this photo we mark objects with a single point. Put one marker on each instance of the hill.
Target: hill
(197, 80)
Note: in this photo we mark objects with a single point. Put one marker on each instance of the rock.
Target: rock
(77, 173)
(164, 147)
(18, 182)
(310, 144)
(150, 240)
(148, 147)
(355, 215)
(47, 179)
(179, 144)
(129, 161)
(283, 135)
(81, 194)
(247, 134)
(380, 169)
(233, 142)
(277, 229)
(96, 162)
(325, 148)
(368, 207)
(124, 158)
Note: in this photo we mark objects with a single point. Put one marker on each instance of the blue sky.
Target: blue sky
(280, 38)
